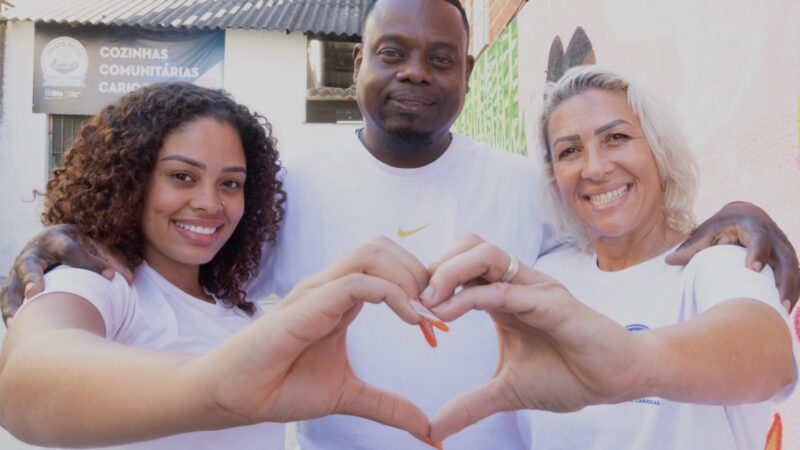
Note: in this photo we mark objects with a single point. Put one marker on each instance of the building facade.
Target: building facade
(289, 61)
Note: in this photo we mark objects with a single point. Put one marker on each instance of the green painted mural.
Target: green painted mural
(491, 112)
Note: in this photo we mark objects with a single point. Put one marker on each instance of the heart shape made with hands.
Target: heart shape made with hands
(547, 348)
(531, 372)
(556, 354)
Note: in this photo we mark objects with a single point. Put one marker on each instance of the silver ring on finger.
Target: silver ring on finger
(511, 270)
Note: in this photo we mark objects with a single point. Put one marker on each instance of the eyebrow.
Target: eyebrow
(609, 125)
(575, 137)
(390, 38)
(200, 165)
(571, 137)
(402, 39)
(444, 45)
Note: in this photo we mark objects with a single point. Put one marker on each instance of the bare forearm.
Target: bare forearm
(737, 352)
(69, 387)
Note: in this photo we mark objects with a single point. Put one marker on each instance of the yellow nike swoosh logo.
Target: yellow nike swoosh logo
(406, 233)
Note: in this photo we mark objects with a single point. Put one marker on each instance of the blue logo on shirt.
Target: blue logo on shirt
(634, 327)
(647, 401)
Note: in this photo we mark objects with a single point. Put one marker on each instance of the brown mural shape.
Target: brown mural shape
(579, 52)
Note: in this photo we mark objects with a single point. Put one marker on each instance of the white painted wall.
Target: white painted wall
(266, 70)
(23, 146)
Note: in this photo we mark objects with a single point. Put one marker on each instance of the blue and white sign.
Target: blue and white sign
(80, 69)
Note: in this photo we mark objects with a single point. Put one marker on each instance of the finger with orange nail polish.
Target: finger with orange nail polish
(428, 441)
(433, 444)
(428, 315)
(427, 331)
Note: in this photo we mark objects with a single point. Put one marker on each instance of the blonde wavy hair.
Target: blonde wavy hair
(677, 168)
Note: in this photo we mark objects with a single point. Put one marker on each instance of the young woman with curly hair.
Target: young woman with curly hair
(103, 182)
(183, 182)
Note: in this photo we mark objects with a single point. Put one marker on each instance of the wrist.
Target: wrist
(206, 386)
(197, 387)
(654, 365)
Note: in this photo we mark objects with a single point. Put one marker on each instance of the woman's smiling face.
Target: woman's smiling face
(195, 197)
(603, 166)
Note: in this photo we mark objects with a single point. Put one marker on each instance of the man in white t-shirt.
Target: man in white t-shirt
(338, 197)
(406, 176)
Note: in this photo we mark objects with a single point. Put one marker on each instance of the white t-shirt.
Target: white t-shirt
(650, 295)
(340, 196)
(155, 314)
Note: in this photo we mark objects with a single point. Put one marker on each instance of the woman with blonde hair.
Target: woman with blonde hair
(633, 352)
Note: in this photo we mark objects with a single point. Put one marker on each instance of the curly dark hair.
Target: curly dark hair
(101, 184)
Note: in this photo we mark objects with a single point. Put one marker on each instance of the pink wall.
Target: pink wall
(730, 69)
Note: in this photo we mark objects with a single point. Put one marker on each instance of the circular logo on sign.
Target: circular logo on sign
(64, 63)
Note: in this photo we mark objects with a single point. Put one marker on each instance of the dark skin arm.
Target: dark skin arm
(52, 246)
(736, 223)
(748, 225)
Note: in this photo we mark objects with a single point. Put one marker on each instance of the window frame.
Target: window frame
(329, 104)
(57, 140)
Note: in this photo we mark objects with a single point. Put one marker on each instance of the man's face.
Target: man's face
(412, 69)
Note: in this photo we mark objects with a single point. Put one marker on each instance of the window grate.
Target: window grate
(62, 130)
(331, 94)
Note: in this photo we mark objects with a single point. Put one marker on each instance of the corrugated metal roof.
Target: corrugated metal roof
(342, 17)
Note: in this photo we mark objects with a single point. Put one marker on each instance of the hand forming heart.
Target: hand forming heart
(292, 364)
(556, 354)
(549, 358)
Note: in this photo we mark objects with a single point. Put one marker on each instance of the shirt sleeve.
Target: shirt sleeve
(720, 274)
(113, 299)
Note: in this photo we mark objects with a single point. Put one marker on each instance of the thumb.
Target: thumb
(468, 408)
(689, 248)
(384, 407)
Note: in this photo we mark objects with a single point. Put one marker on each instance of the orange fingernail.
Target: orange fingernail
(428, 441)
(428, 315)
(428, 332)
(440, 325)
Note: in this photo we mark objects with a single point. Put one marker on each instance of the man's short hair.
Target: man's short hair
(370, 5)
